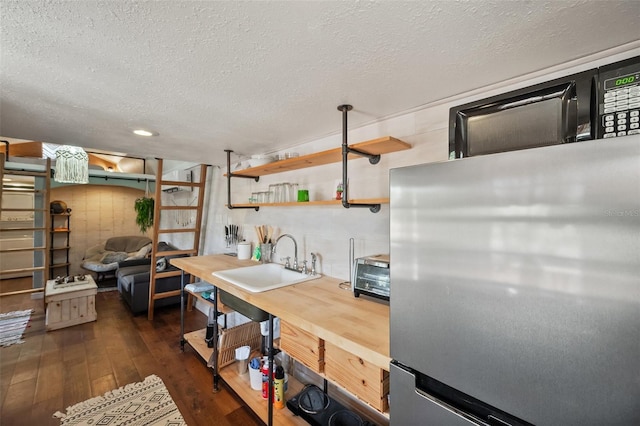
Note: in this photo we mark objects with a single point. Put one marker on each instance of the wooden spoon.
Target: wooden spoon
(269, 233)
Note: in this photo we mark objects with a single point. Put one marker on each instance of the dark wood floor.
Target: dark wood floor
(56, 369)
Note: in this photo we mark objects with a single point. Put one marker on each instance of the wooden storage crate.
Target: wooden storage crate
(231, 338)
(302, 346)
(68, 306)
(366, 381)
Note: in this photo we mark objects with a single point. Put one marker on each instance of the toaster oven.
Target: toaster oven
(371, 276)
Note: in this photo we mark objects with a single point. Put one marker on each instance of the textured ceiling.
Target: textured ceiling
(261, 76)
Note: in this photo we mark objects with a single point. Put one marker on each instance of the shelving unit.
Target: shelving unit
(222, 309)
(383, 145)
(241, 386)
(37, 250)
(59, 250)
(239, 383)
(360, 361)
(316, 203)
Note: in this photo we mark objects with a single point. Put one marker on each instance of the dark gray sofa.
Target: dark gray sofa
(133, 281)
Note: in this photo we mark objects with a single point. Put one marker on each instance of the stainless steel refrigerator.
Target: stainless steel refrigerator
(515, 293)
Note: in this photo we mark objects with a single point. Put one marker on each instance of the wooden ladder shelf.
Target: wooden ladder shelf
(39, 227)
(159, 209)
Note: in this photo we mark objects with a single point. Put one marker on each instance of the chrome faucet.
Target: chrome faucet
(295, 251)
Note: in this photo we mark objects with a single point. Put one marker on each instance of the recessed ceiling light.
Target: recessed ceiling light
(142, 132)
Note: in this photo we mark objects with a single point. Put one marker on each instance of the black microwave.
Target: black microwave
(595, 104)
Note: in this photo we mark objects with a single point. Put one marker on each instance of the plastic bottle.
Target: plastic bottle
(265, 380)
(278, 388)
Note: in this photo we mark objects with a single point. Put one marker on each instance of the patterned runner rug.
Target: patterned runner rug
(136, 404)
(12, 326)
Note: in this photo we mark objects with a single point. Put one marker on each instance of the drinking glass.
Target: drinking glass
(303, 195)
(278, 193)
(286, 195)
(272, 193)
(293, 192)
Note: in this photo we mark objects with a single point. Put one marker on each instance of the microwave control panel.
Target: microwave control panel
(619, 103)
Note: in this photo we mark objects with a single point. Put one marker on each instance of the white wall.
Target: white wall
(326, 229)
(98, 212)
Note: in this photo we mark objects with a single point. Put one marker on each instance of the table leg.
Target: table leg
(182, 341)
(216, 374)
(270, 394)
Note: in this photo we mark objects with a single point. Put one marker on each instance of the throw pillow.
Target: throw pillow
(117, 256)
(161, 264)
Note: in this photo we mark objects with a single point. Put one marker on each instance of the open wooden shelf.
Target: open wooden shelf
(374, 147)
(222, 309)
(382, 145)
(317, 203)
(59, 243)
(241, 386)
(15, 250)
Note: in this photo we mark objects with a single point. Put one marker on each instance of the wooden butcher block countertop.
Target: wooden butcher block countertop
(357, 325)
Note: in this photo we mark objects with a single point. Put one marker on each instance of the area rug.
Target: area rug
(137, 404)
(12, 326)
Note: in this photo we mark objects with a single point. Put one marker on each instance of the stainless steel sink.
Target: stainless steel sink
(263, 277)
(245, 308)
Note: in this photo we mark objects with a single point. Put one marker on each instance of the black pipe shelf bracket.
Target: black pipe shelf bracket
(237, 175)
(346, 150)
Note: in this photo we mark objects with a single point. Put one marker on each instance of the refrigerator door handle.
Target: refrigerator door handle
(462, 404)
(500, 421)
(453, 409)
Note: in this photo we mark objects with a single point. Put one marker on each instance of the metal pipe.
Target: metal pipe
(229, 176)
(270, 357)
(346, 150)
(228, 151)
(182, 341)
(345, 155)
(216, 371)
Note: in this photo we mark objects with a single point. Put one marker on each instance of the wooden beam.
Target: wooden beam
(24, 149)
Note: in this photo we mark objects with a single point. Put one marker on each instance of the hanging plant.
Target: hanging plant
(144, 213)
(144, 210)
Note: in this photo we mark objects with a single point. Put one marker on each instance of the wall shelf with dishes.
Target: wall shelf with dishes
(317, 203)
(374, 147)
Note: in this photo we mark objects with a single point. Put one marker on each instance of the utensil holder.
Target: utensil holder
(265, 252)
